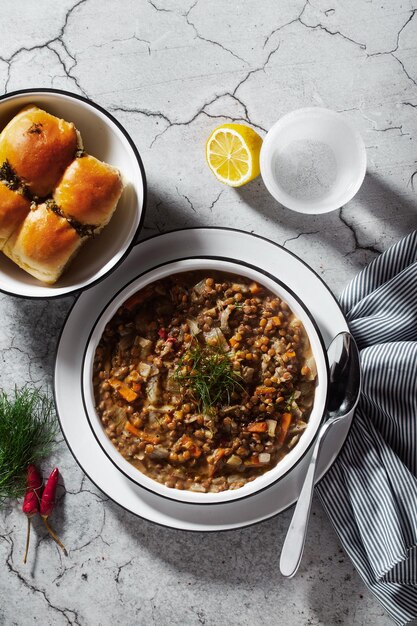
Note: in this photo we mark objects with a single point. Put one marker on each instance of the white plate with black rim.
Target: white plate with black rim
(230, 243)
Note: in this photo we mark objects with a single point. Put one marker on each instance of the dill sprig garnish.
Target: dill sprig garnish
(27, 432)
(289, 401)
(35, 129)
(9, 177)
(83, 230)
(207, 374)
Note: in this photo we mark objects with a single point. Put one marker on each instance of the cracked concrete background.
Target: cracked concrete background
(171, 70)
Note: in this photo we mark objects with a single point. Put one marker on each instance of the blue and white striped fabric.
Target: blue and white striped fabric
(370, 493)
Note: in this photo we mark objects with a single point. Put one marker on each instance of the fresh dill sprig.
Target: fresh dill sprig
(290, 400)
(27, 432)
(207, 374)
(9, 177)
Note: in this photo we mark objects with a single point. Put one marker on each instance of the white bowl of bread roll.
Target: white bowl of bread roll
(72, 193)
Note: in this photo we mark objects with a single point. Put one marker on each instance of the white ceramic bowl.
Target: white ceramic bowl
(290, 460)
(313, 160)
(105, 138)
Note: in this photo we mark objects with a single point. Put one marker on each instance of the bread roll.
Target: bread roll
(38, 146)
(44, 244)
(13, 209)
(89, 191)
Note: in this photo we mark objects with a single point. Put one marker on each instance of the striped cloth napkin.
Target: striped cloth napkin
(370, 493)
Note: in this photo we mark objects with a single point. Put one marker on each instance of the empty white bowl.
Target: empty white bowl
(313, 161)
(106, 139)
(291, 459)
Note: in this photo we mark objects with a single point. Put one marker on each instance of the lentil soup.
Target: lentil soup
(204, 380)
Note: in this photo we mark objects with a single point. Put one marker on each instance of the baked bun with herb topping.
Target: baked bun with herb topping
(89, 191)
(13, 209)
(38, 147)
(44, 244)
(53, 196)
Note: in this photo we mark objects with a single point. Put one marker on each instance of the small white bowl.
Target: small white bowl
(313, 160)
(289, 462)
(105, 138)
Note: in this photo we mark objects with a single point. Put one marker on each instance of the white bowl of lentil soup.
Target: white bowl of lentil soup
(205, 380)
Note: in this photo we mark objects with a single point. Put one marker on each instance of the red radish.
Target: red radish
(48, 503)
(32, 498)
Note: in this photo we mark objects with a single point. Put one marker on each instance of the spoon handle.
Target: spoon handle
(344, 356)
(293, 547)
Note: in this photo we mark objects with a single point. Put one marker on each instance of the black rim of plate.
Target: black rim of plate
(214, 530)
(238, 263)
(75, 96)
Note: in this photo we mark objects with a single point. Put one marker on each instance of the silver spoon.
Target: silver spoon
(344, 391)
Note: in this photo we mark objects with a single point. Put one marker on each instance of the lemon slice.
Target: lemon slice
(232, 153)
